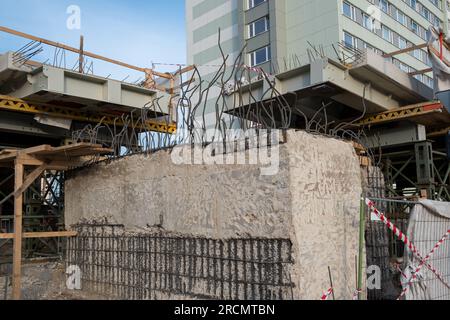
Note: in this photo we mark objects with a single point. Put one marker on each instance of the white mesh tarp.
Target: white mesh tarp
(429, 221)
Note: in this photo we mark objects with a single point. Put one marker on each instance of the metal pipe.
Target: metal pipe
(445, 16)
(395, 201)
(362, 229)
(6, 288)
(331, 283)
(6, 198)
(6, 179)
(443, 154)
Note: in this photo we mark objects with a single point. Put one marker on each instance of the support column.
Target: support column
(445, 16)
(81, 56)
(425, 169)
(389, 181)
(17, 247)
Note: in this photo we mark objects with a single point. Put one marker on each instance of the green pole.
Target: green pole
(362, 229)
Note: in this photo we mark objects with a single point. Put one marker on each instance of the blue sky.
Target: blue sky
(133, 31)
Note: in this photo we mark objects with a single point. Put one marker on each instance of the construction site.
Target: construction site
(327, 178)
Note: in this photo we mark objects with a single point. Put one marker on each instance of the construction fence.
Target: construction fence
(410, 244)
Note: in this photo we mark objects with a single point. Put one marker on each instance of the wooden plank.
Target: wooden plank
(30, 179)
(36, 235)
(8, 157)
(75, 146)
(59, 158)
(365, 161)
(76, 50)
(414, 73)
(33, 150)
(185, 69)
(395, 53)
(358, 147)
(17, 245)
(88, 152)
(29, 160)
(439, 133)
(26, 184)
(5, 151)
(56, 234)
(68, 48)
(66, 164)
(65, 149)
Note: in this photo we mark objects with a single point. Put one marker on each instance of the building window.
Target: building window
(384, 6)
(415, 27)
(255, 3)
(402, 43)
(419, 77)
(387, 34)
(417, 54)
(260, 56)
(258, 27)
(429, 81)
(404, 67)
(368, 22)
(425, 13)
(401, 17)
(368, 46)
(349, 10)
(437, 3)
(349, 40)
(436, 22)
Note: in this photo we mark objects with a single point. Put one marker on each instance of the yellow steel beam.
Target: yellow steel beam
(402, 113)
(18, 105)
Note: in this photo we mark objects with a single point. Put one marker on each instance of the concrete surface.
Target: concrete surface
(313, 200)
(40, 281)
(216, 201)
(325, 185)
(63, 87)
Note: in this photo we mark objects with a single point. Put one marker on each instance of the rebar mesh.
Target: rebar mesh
(144, 266)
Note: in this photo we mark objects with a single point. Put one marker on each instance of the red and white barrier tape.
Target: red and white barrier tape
(414, 276)
(258, 70)
(397, 266)
(356, 294)
(399, 234)
(391, 226)
(327, 294)
(255, 69)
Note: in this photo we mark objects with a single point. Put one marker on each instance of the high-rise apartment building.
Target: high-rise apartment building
(278, 31)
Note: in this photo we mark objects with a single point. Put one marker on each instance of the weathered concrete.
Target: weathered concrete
(313, 200)
(325, 190)
(40, 281)
(212, 201)
(44, 281)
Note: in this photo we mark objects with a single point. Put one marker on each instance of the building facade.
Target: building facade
(278, 33)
